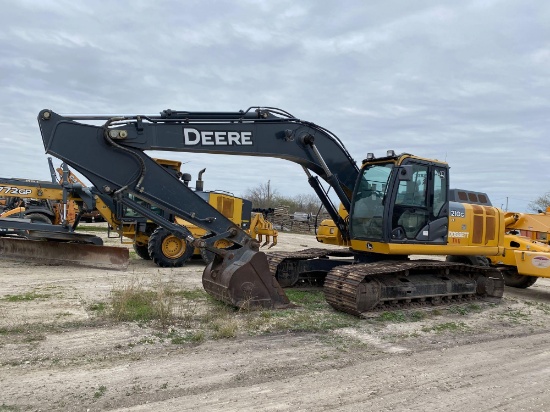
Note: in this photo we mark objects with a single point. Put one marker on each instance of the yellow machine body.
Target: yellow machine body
(533, 226)
(32, 191)
(512, 241)
(479, 231)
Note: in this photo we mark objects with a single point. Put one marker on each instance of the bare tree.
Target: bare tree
(263, 195)
(308, 203)
(541, 203)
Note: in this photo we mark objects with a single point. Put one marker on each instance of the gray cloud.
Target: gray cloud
(465, 82)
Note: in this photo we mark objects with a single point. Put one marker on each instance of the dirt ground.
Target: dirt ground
(56, 355)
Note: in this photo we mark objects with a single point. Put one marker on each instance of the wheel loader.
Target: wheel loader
(149, 241)
(397, 206)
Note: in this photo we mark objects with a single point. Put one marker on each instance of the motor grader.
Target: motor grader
(150, 241)
(18, 201)
(397, 206)
(29, 233)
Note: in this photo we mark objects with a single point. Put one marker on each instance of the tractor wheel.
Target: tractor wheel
(167, 250)
(514, 279)
(38, 218)
(142, 251)
(208, 256)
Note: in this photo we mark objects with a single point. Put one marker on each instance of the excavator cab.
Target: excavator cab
(401, 199)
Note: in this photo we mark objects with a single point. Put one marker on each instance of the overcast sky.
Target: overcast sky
(463, 81)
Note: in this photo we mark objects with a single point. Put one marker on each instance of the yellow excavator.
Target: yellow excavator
(526, 251)
(397, 206)
(51, 204)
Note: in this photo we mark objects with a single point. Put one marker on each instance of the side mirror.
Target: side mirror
(405, 173)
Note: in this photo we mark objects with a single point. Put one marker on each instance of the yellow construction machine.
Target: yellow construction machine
(532, 226)
(152, 242)
(527, 249)
(56, 206)
(397, 206)
(526, 252)
(38, 224)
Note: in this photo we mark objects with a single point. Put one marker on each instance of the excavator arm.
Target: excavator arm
(112, 156)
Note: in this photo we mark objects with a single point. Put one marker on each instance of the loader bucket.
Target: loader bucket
(243, 279)
(63, 253)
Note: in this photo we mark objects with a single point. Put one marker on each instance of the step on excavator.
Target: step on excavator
(62, 206)
(396, 205)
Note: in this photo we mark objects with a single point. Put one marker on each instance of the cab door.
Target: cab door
(420, 209)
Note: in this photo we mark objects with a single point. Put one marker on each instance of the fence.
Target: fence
(299, 222)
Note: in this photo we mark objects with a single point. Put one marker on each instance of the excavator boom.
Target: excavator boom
(113, 158)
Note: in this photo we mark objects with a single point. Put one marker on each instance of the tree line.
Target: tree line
(540, 203)
(264, 196)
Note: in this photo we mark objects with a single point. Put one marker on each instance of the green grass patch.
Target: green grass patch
(16, 330)
(26, 297)
(134, 305)
(544, 307)
(464, 309)
(9, 408)
(224, 328)
(206, 318)
(100, 392)
(195, 294)
(177, 337)
(516, 316)
(446, 327)
(99, 307)
(309, 299)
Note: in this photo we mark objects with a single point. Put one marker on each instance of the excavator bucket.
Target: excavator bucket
(243, 279)
(64, 253)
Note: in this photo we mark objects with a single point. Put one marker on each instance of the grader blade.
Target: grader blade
(243, 279)
(63, 253)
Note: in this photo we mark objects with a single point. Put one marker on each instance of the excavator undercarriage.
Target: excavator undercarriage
(390, 285)
(355, 287)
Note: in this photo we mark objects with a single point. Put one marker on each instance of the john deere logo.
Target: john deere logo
(193, 137)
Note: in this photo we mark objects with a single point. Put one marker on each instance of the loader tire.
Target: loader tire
(167, 250)
(208, 256)
(516, 280)
(38, 218)
(142, 251)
